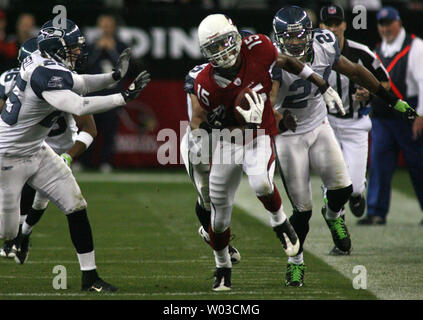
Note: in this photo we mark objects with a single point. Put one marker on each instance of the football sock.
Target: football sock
(22, 218)
(298, 259)
(300, 223)
(219, 241)
(331, 215)
(203, 216)
(87, 261)
(31, 220)
(272, 202)
(338, 198)
(26, 228)
(80, 231)
(277, 218)
(222, 258)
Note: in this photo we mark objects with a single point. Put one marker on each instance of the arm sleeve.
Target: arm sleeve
(86, 83)
(70, 102)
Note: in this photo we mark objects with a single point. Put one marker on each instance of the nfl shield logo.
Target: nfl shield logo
(332, 10)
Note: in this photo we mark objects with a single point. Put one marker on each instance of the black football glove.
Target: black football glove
(288, 122)
(136, 86)
(216, 118)
(122, 65)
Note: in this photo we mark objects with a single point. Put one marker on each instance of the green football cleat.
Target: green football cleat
(295, 275)
(339, 231)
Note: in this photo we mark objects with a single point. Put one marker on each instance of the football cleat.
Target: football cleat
(339, 231)
(23, 248)
(99, 286)
(288, 237)
(357, 205)
(338, 252)
(233, 252)
(222, 279)
(8, 250)
(294, 275)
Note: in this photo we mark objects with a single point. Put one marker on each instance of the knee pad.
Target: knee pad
(338, 198)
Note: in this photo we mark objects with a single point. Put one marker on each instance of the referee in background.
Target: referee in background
(352, 129)
(401, 53)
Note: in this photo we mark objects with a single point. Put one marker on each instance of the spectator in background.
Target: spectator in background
(103, 55)
(8, 47)
(401, 54)
(25, 28)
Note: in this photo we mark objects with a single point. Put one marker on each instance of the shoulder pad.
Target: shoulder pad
(191, 76)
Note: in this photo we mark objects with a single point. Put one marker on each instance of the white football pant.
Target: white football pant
(316, 150)
(256, 159)
(46, 172)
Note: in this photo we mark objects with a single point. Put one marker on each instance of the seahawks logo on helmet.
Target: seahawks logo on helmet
(66, 46)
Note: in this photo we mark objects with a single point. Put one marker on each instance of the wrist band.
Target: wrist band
(387, 96)
(85, 138)
(306, 72)
(323, 88)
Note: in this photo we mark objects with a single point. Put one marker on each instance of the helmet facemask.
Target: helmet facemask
(296, 41)
(222, 51)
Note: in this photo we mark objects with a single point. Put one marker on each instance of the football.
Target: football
(242, 102)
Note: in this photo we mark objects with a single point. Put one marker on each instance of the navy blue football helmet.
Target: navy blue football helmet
(62, 44)
(28, 47)
(293, 31)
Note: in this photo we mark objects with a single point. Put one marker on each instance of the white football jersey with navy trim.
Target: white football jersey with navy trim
(26, 118)
(7, 81)
(301, 97)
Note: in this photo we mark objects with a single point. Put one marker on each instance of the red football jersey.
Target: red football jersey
(258, 55)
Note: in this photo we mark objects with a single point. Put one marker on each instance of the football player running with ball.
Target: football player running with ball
(45, 87)
(234, 65)
(313, 145)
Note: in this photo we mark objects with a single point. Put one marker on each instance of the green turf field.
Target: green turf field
(146, 243)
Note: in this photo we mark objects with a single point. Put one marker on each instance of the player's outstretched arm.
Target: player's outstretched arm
(296, 67)
(68, 101)
(366, 79)
(87, 133)
(86, 83)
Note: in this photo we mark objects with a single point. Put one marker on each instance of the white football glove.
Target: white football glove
(333, 101)
(255, 113)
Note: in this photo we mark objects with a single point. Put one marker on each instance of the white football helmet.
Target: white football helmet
(220, 41)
